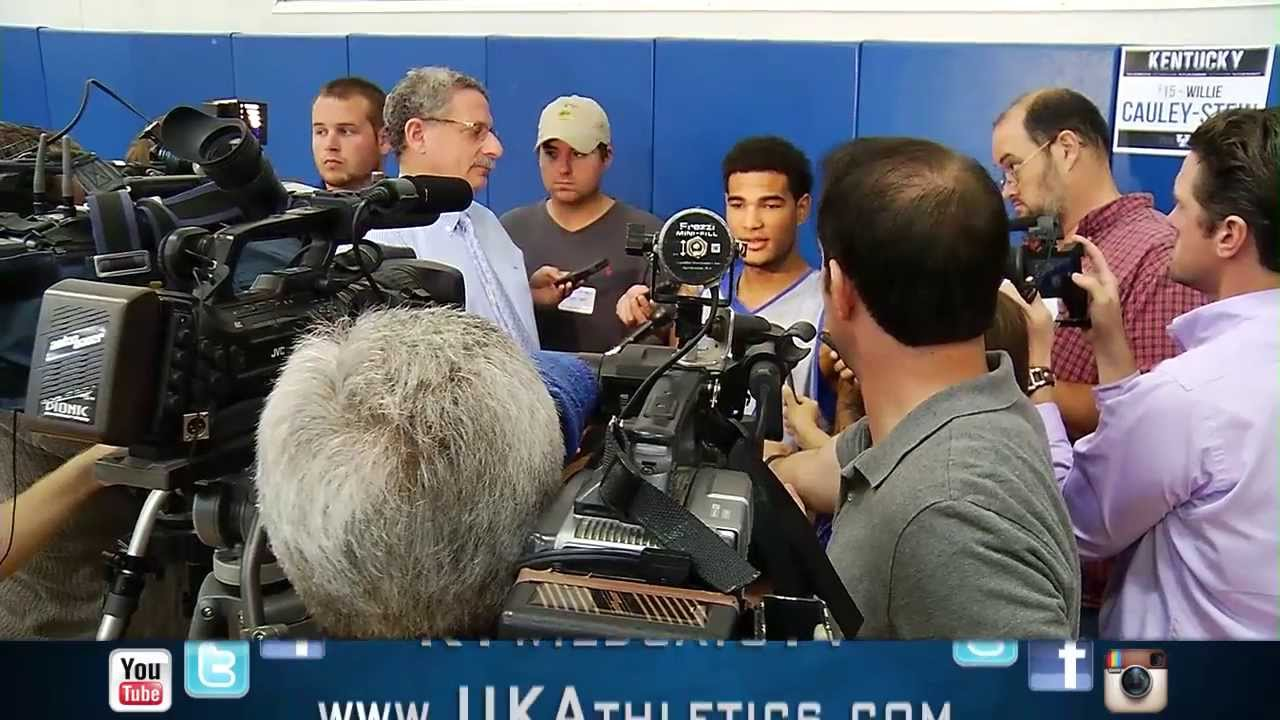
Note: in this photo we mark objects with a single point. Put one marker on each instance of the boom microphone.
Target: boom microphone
(394, 193)
(441, 194)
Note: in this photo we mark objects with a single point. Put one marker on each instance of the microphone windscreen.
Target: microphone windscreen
(748, 325)
(442, 194)
(573, 386)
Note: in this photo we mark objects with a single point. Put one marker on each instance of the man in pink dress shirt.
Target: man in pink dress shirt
(1179, 481)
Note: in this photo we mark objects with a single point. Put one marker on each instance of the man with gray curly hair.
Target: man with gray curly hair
(402, 459)
(439, 123)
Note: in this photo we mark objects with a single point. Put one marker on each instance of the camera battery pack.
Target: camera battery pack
(94, 349)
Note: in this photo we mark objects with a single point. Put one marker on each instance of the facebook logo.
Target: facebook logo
(1060, 666)
(292, 649)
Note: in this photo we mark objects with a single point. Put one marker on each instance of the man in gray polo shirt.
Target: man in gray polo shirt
(949, 522)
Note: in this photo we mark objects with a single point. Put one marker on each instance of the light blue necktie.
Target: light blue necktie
(505, 314)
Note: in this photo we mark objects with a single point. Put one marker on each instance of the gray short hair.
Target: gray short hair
(423, 92)
(402, 460)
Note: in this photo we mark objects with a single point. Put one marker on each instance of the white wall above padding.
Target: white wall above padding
(1032, 21)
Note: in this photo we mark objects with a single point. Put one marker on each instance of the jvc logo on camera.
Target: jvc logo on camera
(140, 680)
(1137, 681)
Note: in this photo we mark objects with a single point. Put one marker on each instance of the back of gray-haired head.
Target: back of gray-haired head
(423, 93)
(402, 460)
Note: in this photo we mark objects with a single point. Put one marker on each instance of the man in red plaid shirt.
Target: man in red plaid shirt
(1053, 148)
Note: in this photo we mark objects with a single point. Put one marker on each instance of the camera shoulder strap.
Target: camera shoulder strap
(115, 227)
(624, 488)
(775, 506)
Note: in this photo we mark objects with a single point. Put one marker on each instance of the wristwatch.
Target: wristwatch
(1039, 377)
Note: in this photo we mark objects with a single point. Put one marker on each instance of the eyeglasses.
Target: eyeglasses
(478, 130)
(1010, 176)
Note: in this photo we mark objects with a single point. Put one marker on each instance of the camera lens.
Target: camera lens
(1135, 682)
(1157, 659)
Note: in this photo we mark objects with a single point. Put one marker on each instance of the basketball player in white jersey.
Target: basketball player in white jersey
(767, 183)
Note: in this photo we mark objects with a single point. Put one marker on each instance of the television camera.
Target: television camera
(40, 237)
(1041, 266)
(662, 535)
(177, 371)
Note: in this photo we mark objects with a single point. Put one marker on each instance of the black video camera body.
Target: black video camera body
(647, 590)
(660, 536)
(1039, 266)
(159, 370)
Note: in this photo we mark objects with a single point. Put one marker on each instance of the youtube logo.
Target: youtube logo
(140, 681)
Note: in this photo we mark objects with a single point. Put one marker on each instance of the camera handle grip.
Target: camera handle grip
(764, 382)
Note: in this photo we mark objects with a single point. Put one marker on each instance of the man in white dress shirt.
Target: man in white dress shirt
(439, 123)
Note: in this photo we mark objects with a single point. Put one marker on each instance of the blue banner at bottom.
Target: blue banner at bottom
(640, 680)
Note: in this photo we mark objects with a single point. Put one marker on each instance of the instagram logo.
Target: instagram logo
(1137, 681)
(140, 680)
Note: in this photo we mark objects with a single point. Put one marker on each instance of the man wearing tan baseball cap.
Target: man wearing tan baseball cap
(575, 227)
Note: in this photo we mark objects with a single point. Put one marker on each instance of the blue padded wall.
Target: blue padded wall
(286, 72)
(384, 59)
(952, 93)
(154, 72)
(22, 86)
(710, 94)
(1154, 173)
(676, 105)
(527, 73)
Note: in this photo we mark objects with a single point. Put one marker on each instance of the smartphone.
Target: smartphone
(578, 276)
(825, 337)
(1053, 279)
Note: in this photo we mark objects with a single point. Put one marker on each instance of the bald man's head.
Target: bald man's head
(1046, 112)
(1051, 145)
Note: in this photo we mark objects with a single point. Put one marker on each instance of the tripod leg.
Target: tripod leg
(126, 588)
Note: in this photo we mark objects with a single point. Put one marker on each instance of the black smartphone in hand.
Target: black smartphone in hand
(578, 276)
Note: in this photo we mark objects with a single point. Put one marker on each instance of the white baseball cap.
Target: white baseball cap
(577, 120)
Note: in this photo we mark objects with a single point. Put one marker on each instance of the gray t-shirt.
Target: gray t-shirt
(578, 325)
(953, 526)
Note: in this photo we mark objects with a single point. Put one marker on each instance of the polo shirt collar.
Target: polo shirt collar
(996, 390)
